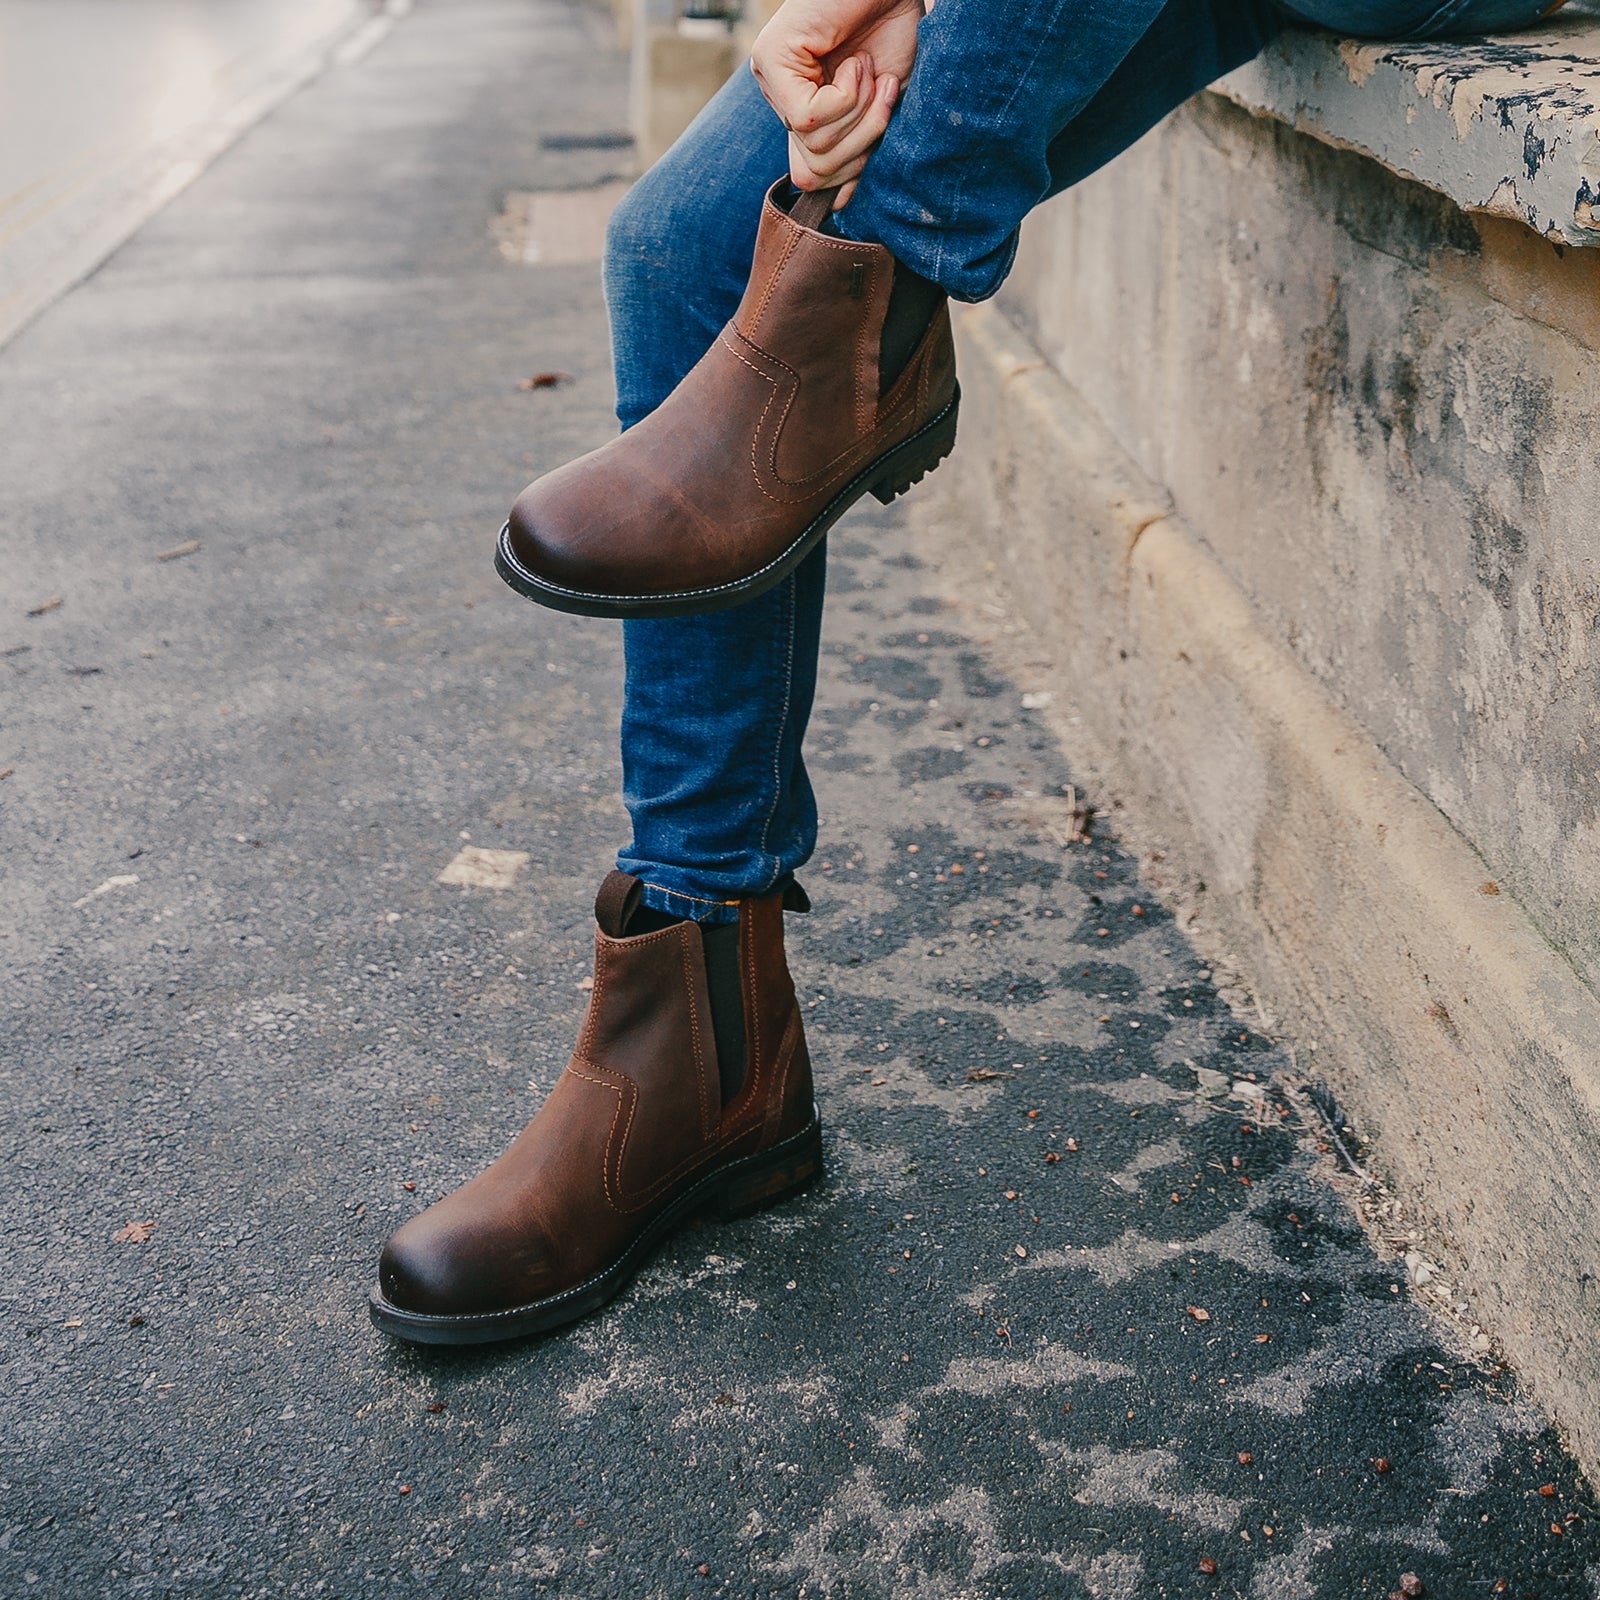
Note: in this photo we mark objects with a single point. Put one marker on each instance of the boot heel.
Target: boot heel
(919, 455)
(786, 1169)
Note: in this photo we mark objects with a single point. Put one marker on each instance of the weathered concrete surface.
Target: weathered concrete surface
(1465, 1044)
(1378, 415)
(309, 364)
(1507, 125)
(1354, 673)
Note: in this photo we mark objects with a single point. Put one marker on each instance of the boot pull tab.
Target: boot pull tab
(795, 898)
(616, 903)
(813, 207)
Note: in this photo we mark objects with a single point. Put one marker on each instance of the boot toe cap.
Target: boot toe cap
(535, 547)
(421, 1270)
(607, 524)
(552, 539)
(433, 1268)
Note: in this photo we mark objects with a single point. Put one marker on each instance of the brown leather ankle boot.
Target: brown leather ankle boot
(633, 1139)
(729, 484)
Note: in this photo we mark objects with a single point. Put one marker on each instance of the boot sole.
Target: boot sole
(736, 1190)
(890, 475)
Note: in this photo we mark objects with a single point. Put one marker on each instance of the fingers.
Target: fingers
(855, 79)
(814, 135)
(836, 154)
(864, 125)
(797, 90)
(834, 149)
(820, 113)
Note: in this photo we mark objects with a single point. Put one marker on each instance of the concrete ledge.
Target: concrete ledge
(1509, 125)
(1466, 1046)
(674, 75)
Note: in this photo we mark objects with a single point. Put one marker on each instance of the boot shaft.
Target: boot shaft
(649, 1018)
(817, 304)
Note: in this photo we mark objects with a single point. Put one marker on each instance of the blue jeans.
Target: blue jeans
(1009, 103)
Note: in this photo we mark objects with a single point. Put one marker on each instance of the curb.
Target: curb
(1461, 1040)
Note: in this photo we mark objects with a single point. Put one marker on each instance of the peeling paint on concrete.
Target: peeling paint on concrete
(1507, 125)
(1360, 60)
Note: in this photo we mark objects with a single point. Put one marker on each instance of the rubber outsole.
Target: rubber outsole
(736, 1190)
(890, 475)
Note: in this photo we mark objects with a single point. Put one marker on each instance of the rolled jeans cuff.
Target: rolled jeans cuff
(661, 896)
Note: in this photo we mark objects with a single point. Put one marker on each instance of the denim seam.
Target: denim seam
(681, 894)
(783, 727)
(1442, 18)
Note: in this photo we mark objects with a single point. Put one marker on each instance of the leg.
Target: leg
(1189, 46)
(719, 796)
(1010, 103)
(1075, 83)
(714, 715)
(666, 521)
(714, 707)
(1422, 19)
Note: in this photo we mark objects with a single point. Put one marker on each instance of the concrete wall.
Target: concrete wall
(1380, 414)
(677, 67)
(1288, 460)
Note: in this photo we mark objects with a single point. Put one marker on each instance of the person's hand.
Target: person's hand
(832, 70)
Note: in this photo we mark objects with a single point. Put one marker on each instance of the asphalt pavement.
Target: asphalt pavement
(1069, 1316)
